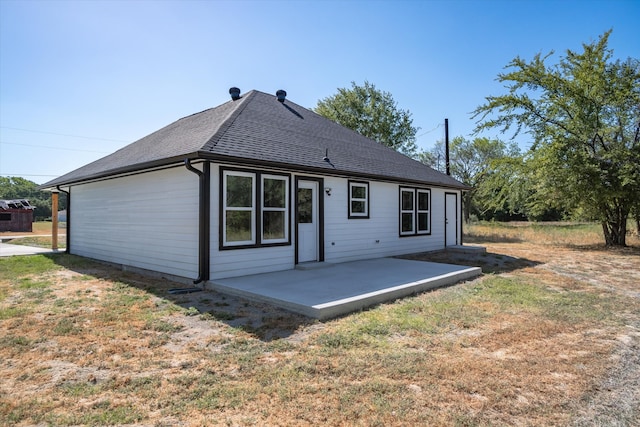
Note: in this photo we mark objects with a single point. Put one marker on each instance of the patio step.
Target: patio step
(313, 265)
(463, 249)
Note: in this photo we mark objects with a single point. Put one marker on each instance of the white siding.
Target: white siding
(148, 221)
(242, 262)
(353, 239)
(344, 239)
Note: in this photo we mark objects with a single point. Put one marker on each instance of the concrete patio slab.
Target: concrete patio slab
(323, 293)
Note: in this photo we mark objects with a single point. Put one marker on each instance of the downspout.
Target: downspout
(68, 235)
(203, 219)
(461, 218)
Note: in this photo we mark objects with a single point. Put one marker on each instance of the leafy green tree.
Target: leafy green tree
(372, 113)
(510, 189)
(584, 116)
(19, 188)
(636, 215)
(470, 162)
(504, 189)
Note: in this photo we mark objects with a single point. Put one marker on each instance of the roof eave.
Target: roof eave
(324, 171)
(205, 155)
(136, 168)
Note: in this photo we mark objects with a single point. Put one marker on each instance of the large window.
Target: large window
(423, 215)
(407, 211)
(415, 211)
(254, 208)
(358, 199)
(275, 211)
(239, 208)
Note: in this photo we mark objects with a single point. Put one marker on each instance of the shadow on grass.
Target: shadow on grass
(630, 250)
(488, 262)
(262, 321)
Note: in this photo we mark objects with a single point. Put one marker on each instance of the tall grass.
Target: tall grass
(556, 233)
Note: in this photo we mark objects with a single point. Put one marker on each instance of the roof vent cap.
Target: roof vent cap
(281, 94)
(235, 93)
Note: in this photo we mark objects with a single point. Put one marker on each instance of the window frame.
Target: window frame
(419, 211)
(285, 209)
(415, 211)
(351, 199)
(411, 211)
(257, 193)
(224, 208)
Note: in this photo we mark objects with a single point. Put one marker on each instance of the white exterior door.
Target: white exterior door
(307, 221)
(451, 219)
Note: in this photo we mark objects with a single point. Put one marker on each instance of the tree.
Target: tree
(372, 113)
(471, 162)
(20, 188)
(584, 117)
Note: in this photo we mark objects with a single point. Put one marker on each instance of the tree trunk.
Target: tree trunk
(466, 206)
(615, 226)
(638, 226)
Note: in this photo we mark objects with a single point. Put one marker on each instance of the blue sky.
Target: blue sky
(81, 79)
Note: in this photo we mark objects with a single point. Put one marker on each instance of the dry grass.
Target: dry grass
(38, 228)
(550, 336)
(40, 236)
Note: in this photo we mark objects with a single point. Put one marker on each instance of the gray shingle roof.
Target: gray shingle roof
(259, 129)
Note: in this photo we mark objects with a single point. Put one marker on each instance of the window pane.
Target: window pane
(423, 222)
(273, 225)
(358, 207)
(274, 193)
(238, 226)
(358, 192)
(239, 191)
(407, 200)
(423, 201)
(305, 213)
(407, 222)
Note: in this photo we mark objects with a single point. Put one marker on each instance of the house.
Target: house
(16, 215)
(257, 184)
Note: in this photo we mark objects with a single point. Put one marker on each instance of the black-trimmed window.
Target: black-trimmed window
(275, 209)
(415, 211)
(254, 209)
(358, 199)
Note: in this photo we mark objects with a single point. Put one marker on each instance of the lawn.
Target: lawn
(550, 335)
(40, 236)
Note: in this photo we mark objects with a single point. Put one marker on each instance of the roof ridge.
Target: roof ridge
(231, 118)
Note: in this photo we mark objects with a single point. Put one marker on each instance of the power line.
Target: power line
(63, 134)
(429, 131)
(53, 148)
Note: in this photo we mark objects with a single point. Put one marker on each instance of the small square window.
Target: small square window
(358, 199)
